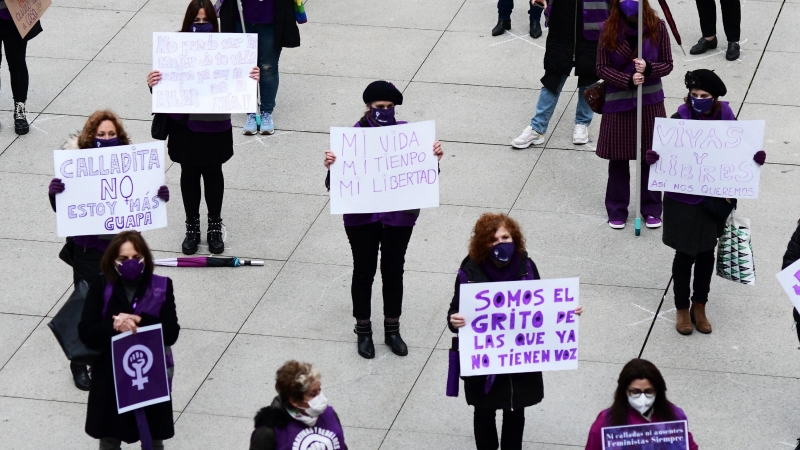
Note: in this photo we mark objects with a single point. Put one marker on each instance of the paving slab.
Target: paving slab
(116, 5)
(130, 98)
(28, 212)
(430, 441)
(165, 6)
(347, 379)
(786, 32)
(416, 14)
(349, 43)
(26, 293)
(779, 141)
(22, 421)
(768, 76)
(63, 27)
(7, 134)
(491, 106)
(196, 353)
(40, 94)
(319, 296)
(14, 329)
(193, 431)
(134, 42)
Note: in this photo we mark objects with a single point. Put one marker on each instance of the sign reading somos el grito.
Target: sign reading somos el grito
(384, 169)
(110, 189)
(713, 158)
(650, 436)
(518, 326)
(205, 73)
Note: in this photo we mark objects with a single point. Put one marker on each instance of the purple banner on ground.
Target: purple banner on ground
(140, 368)
(651, 436)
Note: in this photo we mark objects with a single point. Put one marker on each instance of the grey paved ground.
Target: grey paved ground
(739, 386)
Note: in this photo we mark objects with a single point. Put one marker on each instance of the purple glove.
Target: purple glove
(651, 157)
(56, 187)
(163, 193)
(760, 157)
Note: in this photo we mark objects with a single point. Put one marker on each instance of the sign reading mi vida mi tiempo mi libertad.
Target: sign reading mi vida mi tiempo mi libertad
(384, 169)
(110, 189)
(140, 368)
(26, 13)
(651, 436)
(713, 158)
(518, 326)
(204, 73)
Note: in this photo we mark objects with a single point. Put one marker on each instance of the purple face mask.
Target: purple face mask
(382, 116)
(113, 142)
(502, 252)
(701, 105)
(130, 270)
(629, 7)
(202, 27)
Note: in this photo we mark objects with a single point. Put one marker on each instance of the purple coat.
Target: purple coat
(393, 219)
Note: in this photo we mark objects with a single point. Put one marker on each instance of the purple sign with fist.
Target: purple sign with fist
(140, 368)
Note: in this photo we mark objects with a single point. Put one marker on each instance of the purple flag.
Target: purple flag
(140, 369)
(651, 436)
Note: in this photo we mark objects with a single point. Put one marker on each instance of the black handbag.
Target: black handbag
(66, 251)
(720, 209)
(65, 327)
(160, 127)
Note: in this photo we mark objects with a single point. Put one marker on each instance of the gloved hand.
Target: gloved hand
(760, 157)
(56, 187)
(163, 193)
(651, 157)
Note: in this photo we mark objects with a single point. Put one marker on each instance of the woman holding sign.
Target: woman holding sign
(640, 399)
(623, 71)
(201, 144)
(497, 253)
(692, 223)
(102, 129)
(16, 48)
(126, 297)
(385, 233)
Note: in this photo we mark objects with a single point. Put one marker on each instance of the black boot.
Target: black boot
(703, 45)
(536, 30)
(393, 339)
(20, 118)
(733, 51)
(192, 235)
(365, 346)
(214, 235)
(501, 27)
(80, 373)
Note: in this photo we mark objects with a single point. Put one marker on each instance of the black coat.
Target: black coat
(286, 32)
(96, 331)
(8, 26)
(511, 391)
(267, 419)
(567, 48)
(792, 250)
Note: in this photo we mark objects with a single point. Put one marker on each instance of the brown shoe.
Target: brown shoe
(683, 323)
(698, 315)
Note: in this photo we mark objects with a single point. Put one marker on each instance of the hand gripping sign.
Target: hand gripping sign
(140, 368)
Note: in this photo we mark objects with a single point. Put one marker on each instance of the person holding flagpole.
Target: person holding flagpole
(624, 70)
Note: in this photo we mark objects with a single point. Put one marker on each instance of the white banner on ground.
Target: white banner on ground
(713, 158)
(205, 73)
(384, 169)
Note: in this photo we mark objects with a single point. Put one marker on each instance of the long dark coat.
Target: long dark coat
(287, 35)
(566, 47)
(96, 331)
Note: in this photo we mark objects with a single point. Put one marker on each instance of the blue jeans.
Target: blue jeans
(504, 8)
(547, 105)
(268, 57)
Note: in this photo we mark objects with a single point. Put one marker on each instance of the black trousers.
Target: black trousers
(214, 183)
(365, 242)
(682, 276)
(486, 430)
(15, 48)
(731, 18)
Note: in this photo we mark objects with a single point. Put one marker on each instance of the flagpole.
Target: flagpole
(638, 223)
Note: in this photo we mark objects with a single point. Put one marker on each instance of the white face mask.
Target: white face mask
(642, 403)
(309, 416)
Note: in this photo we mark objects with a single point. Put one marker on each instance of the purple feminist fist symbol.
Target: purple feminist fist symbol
(140, 358)
(796, 287)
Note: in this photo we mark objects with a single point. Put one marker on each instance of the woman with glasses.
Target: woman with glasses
(641, 398)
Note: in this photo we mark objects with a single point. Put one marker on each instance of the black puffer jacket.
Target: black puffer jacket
(512, 391)
(566, 46)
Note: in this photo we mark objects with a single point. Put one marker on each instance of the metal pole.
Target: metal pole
(258, 88)
(638, 224)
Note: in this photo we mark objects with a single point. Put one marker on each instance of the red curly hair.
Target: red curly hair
(86, 137)
(483, 235)
(611, 34)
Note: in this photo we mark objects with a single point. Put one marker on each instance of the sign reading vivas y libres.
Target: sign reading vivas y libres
(384, 169)
(110, 189)
(518, 326)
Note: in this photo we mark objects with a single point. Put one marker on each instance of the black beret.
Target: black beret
(706, 80)
(382, 91)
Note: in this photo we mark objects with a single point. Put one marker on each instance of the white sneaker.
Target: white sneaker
(527, 138)
(580, 135)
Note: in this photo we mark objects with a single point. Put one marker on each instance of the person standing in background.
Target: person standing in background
(504, 8)
(731, 22)
(15, 47)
